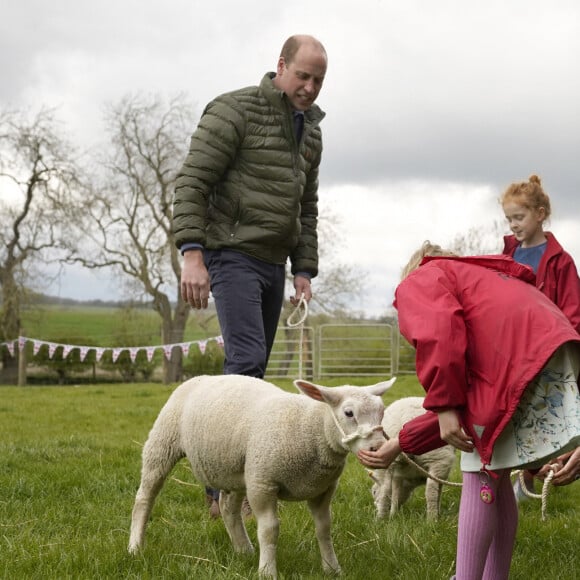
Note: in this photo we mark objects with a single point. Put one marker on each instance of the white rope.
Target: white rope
(360, 433)
(545, 488)
(429, 475)
(301, 306)
(423, 471)
(426, 473)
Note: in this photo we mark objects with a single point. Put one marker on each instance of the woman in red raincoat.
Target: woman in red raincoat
(499, 363)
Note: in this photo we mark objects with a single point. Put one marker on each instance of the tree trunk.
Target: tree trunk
(173, 331)
(22, 367)
(9, 370)
(9, 325)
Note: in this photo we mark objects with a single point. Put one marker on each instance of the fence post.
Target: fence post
(395, 348)
(21, 365)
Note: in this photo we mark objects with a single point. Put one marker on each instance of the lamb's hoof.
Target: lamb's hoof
(133, 549)
(332, 571)
(243, 546)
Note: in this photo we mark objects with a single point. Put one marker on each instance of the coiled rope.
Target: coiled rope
(545, 488)
(301, 311)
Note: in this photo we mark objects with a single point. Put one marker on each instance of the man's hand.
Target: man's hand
(194, 280)
(302, 286)
(451, 431)
(383, 456)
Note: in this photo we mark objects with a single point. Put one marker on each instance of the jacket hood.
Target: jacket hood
(498, 262)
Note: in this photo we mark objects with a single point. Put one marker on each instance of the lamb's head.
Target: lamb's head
(357, 411)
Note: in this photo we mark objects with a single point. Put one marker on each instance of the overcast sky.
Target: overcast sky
(433, 108)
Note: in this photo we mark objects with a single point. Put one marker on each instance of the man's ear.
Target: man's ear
(281, 65)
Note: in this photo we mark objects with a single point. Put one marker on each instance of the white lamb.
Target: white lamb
(247, 437)
(393, 486)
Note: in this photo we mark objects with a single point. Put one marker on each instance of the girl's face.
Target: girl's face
(525, 223)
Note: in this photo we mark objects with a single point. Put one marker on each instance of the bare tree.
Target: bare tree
(338, 282)
(38, 178)
(127, 221)
(479, 241)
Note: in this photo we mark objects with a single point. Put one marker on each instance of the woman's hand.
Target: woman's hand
(451, 432)
(383, 456)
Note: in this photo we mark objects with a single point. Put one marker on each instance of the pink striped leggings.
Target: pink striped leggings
(486, 534)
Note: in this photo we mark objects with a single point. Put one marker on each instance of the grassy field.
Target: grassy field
(69, 470)
(102, 326)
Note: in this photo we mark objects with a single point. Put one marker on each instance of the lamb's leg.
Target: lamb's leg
(320, 509)
(231, 510)
(159, 458)
(433, 498)
(383, 495)
(264, 506)
(400, 492)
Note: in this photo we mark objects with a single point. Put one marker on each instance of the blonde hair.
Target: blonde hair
(529, 194)
(426, 249)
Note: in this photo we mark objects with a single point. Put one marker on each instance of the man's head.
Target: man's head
(301, 70)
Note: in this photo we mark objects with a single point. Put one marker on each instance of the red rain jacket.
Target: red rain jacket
(481, 331)
(557, 276)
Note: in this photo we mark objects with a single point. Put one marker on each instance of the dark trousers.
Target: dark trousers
(248, 295)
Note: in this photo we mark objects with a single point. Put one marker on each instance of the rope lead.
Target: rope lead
(302, 306)
(545, 488)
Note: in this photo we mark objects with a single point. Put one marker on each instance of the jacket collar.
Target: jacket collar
(279, 100)
(553, 247)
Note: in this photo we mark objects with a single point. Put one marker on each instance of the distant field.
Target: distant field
(82, 324)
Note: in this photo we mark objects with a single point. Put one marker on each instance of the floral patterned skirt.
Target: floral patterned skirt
(546, 422)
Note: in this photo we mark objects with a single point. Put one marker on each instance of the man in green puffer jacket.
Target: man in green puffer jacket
(246, 200)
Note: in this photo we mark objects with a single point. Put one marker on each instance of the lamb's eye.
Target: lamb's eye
(349, 414)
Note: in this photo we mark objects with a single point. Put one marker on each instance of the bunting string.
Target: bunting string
(167, 349)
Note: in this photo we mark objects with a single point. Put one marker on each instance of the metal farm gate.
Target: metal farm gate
(340, 350)
(292, 355)
(348, 350)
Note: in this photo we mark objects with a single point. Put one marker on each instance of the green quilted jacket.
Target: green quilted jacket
(247, 185)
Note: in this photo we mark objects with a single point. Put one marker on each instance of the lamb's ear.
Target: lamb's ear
(381, 388)
(309, 389)
(330, 395)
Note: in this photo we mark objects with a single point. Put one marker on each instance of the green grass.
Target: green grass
(102, 326)
(69, 470)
